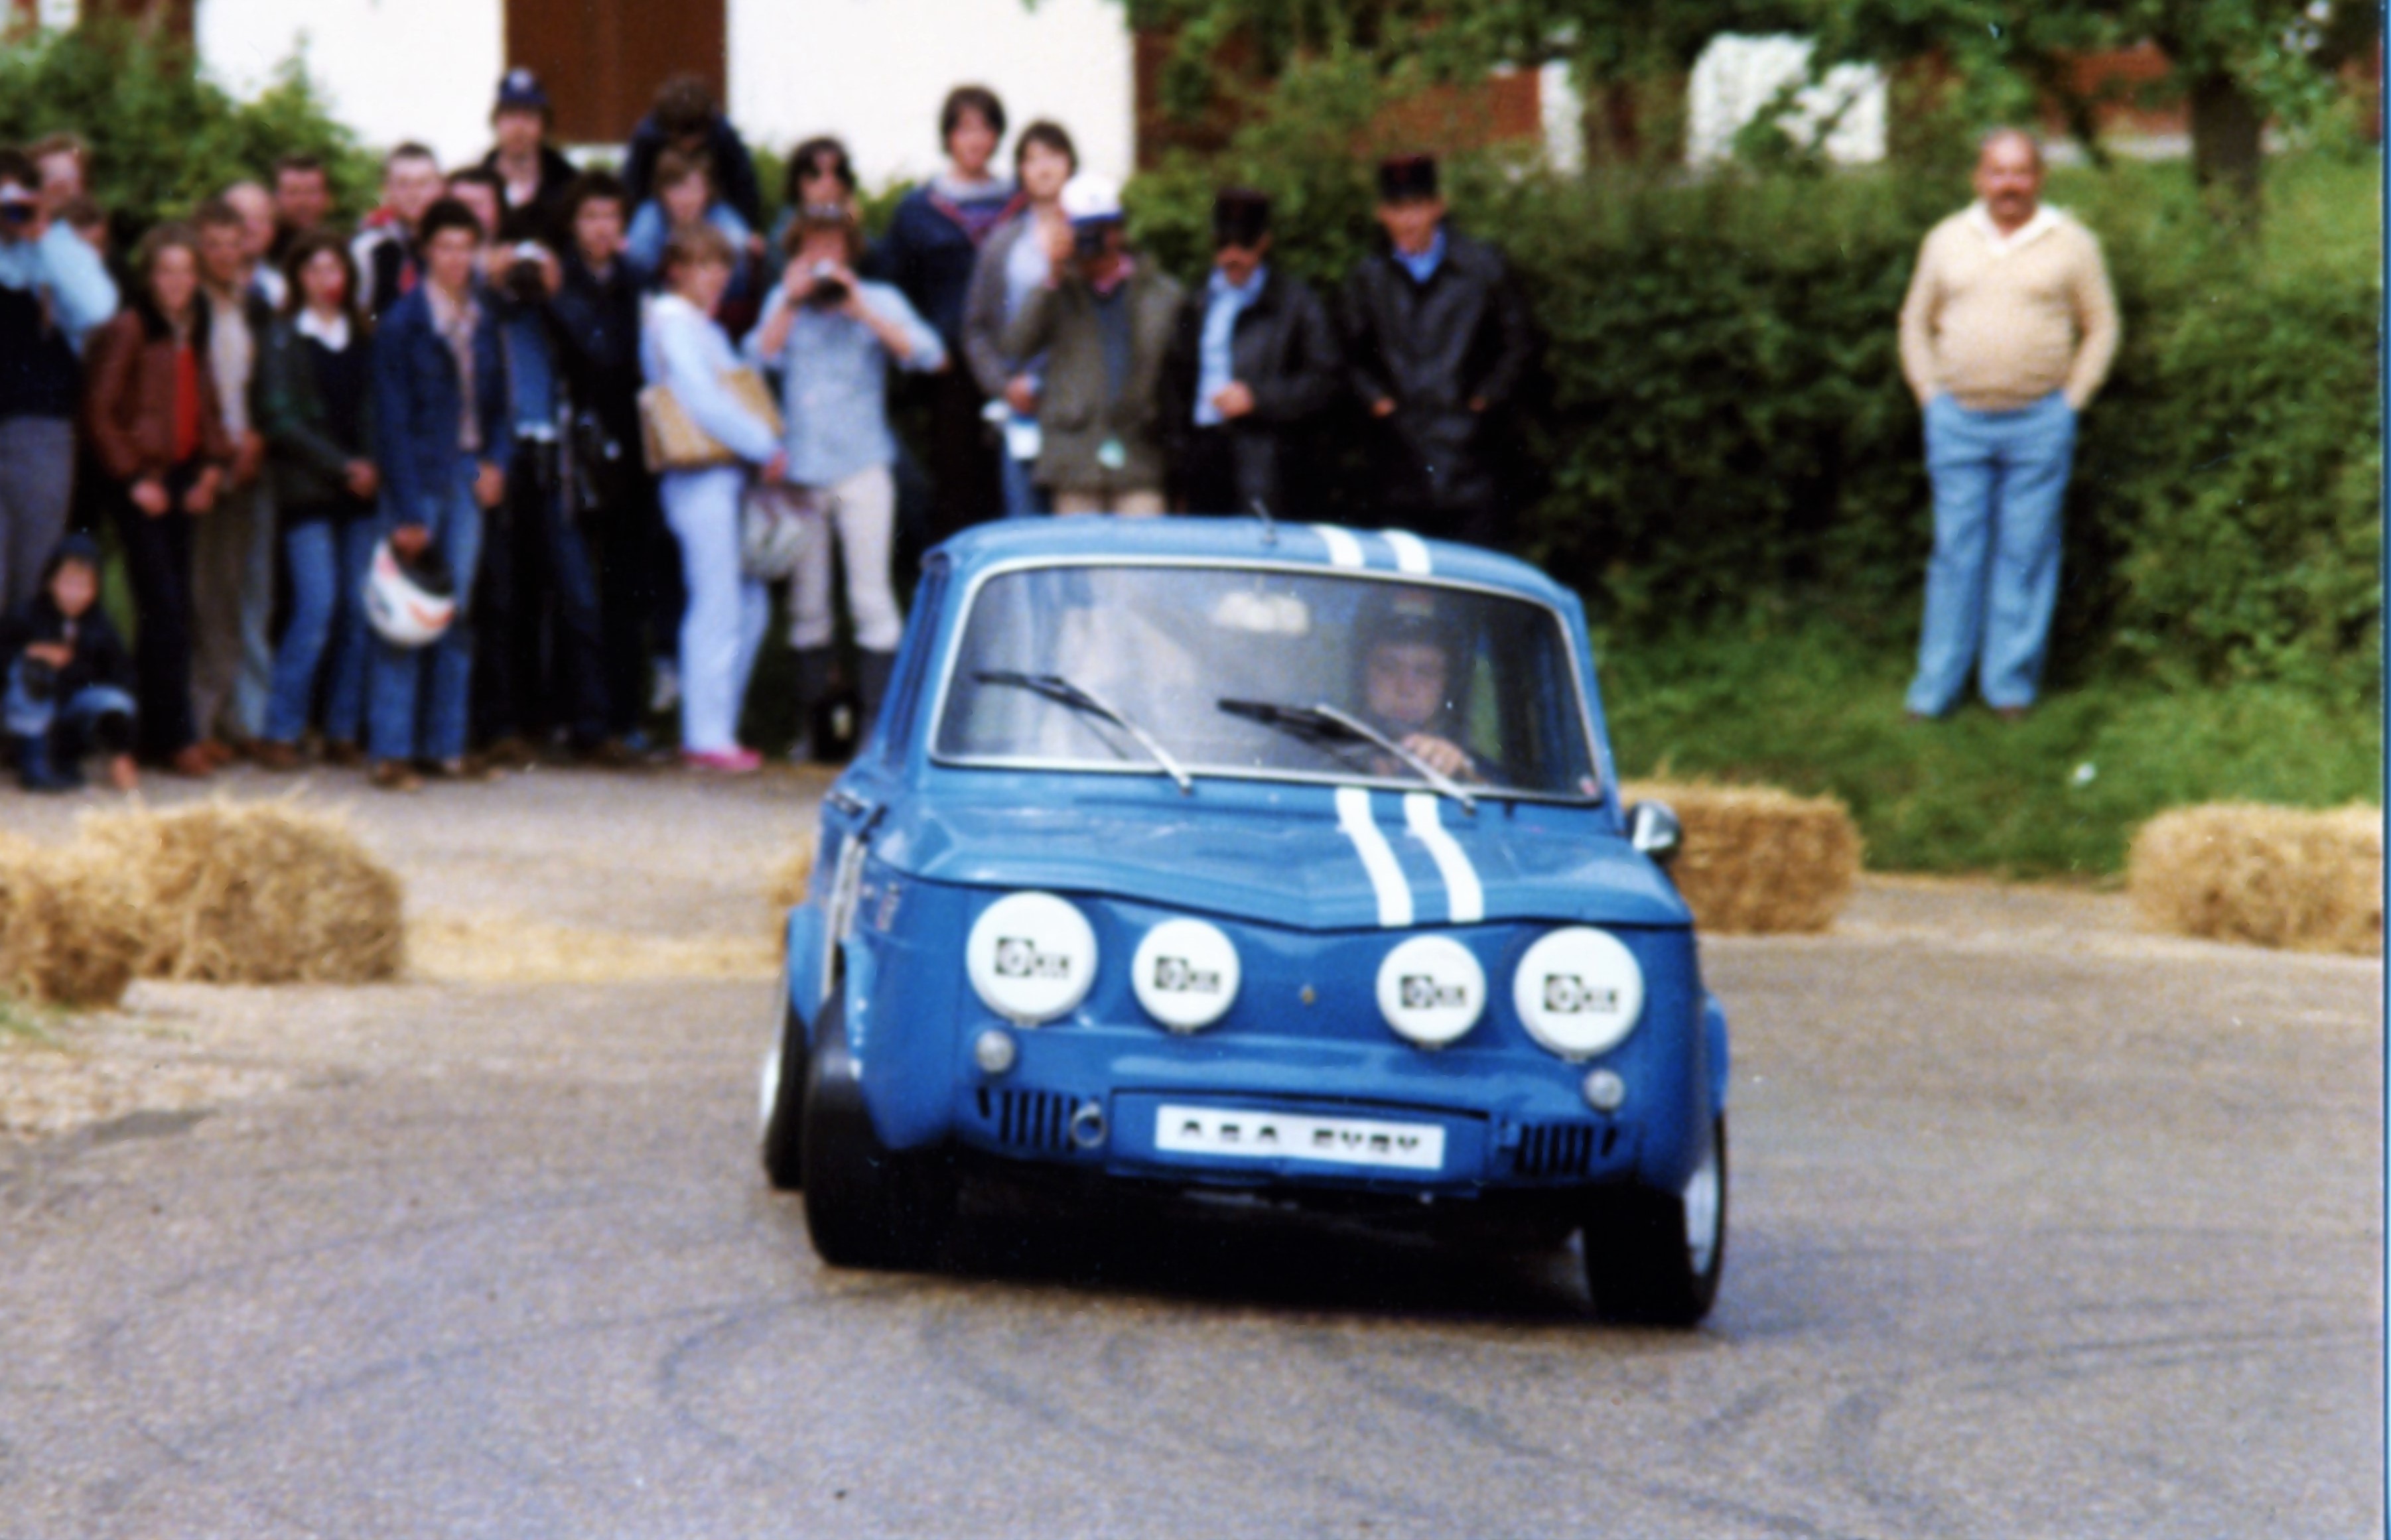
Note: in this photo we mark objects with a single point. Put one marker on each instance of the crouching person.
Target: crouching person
(440, 423)
(69, 677)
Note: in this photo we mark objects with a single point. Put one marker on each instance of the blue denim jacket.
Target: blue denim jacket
(419, 407)
(834, 383)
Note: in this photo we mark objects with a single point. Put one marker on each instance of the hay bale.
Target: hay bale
(253, 893)
(70, 932)
(1758, 860)
(2311, 881)
(786, 888)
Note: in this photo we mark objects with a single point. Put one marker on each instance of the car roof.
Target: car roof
(1236, 539)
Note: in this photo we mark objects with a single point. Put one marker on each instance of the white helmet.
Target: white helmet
(409, 607)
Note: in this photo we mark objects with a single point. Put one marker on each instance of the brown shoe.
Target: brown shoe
(512, 753)
(218, 751)
(609, 753)
(393, 775)
(468, 767)
(343, 754)
(192, 762)
(268, 754)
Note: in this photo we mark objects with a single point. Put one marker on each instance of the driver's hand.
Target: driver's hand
(1441, 755)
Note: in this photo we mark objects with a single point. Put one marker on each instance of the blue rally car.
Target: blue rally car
(1220, 856)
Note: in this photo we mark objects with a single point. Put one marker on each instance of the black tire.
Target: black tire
(783, 1100)
(867, 1205)
(1643, 1262)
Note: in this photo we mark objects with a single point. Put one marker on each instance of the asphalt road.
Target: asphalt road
(2039, 1227)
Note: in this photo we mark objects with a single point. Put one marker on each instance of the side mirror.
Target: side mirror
(1652, 827)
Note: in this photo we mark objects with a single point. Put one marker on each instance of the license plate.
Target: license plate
(1295, 1137)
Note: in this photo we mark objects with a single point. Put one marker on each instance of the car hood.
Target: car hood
(1307, 863)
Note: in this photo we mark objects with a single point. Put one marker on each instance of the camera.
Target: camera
(526, 278)
(1088, 240)
(39, 680)
(19, 210)
(828, 292)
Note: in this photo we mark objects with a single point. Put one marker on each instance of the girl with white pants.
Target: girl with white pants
(682, 349)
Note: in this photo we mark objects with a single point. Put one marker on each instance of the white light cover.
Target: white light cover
(1031, 957)
(1431, 990)
(1185, 974)
(1578, 992)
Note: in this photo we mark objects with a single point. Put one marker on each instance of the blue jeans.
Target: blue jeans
(68, 724)
(1999, 480)
(1024, 498)
(420, 697)
(727, 610)
(328, 559)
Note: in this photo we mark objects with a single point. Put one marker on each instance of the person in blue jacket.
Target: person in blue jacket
(440, 426)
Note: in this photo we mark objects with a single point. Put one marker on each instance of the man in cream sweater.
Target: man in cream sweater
(2008, 328)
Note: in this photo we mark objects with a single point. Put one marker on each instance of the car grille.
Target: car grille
(1563, 1149)
(1032, 1119)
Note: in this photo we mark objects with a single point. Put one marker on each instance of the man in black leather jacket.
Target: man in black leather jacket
(1252, 357)
(1436, 340)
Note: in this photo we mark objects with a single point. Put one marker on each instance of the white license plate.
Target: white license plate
(1293, 1136)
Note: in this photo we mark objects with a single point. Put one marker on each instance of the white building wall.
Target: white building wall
(874, 72)
(391, 70)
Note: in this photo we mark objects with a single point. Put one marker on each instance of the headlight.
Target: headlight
(1185, 974)
(1431, 990)
(1578, 992)
(1031, 957)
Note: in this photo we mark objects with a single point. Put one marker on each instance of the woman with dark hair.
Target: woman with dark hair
(1016, 259)
(315, 404)
(685, 351)
(157, 431)
(932, 244)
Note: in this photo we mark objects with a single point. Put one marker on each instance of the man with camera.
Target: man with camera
(1103, 318)
(831, 336)
(535, 569)
(54, 290)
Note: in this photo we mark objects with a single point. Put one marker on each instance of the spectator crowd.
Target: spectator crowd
(508, 470)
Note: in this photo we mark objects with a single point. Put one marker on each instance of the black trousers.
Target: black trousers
(1223, 470)
(157, 565)
(963, 457)
(541, 662)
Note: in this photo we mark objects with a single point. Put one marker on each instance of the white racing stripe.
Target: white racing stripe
(1378, 856)
(1463, 893)
(1411, 553)
(1343, 550)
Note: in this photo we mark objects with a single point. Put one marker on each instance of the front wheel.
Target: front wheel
(781, 1107)
(1656, 1257)
(866, 1205)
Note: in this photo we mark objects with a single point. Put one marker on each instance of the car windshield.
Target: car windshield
(1266, 672)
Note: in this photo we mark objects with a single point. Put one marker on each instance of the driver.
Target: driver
(1406, 673)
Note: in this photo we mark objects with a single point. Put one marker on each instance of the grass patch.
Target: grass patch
(2058, 794)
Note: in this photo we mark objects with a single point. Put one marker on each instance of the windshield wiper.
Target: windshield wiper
(1327, 721)
(1053, 686)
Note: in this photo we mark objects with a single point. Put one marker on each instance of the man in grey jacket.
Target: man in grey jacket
(1103, 319)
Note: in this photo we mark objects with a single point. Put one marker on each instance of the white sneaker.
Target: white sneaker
(663, 690)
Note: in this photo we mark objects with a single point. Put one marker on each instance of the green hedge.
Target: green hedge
(163, 136)
(1722, 430)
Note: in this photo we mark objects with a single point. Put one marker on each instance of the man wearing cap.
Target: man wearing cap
(532, 174)
(1103, 318)
(1252, 358)
(2008, 330)
(54, 291)
(1436, 340)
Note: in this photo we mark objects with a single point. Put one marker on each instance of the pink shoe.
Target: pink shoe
(723, 762)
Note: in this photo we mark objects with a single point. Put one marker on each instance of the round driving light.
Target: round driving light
(1031, 957)
(1578, 992)
(995, 1052)
(1605, 1092)
(1185, 974)
(1431, 990)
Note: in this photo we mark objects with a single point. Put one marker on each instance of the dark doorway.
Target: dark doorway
(602, 60)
